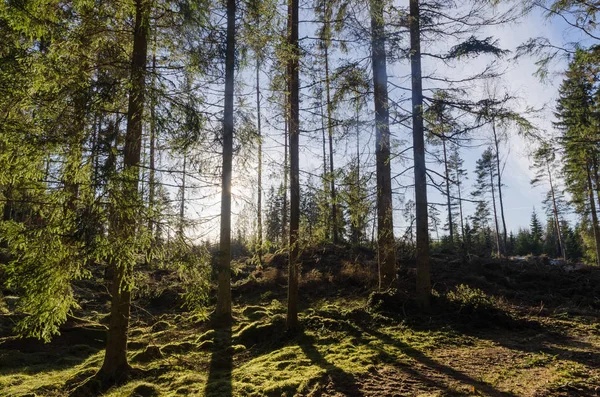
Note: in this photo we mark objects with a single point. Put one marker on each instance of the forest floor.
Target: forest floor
(496, 328)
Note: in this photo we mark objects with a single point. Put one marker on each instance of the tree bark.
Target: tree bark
(286, 169)
(497, 144)
(495, 211)
(223, 309)
(386, 250)
(356, 230)
(334, 222)
(152, 161)
(561, 246)
(294, 126)
(422, 254)
(259, 181)
(460, 208)
(449, 200)
(182, 203)
(325, 186)
(115, 365)
(594, 214)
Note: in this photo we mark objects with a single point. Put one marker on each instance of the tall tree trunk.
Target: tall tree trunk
(561, 246)
(356, 231)
(596, 179)
(259, 181)
(94, 155)
(422, 255)
(594, 214)
(294, 126)
(152, 160)
(449, 203)
(223, 309)
(334, 222)
(325, 185)
(499, 176)
(115, 364)
(182, 203)
(386, 250)
(284, 217)
(460, 208)
(495, 210)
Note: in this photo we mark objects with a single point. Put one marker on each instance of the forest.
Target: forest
(286, 198)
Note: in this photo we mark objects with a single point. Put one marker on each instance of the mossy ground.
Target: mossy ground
(470, 344)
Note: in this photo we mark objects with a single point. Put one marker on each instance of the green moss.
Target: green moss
(150, 354)
(161, 325)
(260, 331)
(178, 348)
(206, 345)
(208, 335)
(254, 313)
(145, 390)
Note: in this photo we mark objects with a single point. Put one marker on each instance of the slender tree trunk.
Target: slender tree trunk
(223, 309)
(325, 186)
(115, 365)
(495, 211)
(499, 176)
(561, 247)
(94, 151)
(460, 208)
(386, 250)
(334, 222)
(422, 255)
(182, 203)
(356, 228)
(284, 217)
(294, 126)
(450, 223)
(596, 180)
(594, 214)
(259, 187)
(152, 161)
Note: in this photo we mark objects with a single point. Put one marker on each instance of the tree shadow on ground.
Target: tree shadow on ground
(432, 365)
(51, 357)
(219, 383)
(341, 381)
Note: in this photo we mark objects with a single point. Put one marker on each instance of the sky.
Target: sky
(520, 198)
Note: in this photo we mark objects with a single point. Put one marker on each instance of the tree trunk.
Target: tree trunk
(594, 214)
(495, 211)
(259, 181)
(497, 144)
(386, 250)
(356, 231)
(223, 309)
(115, 364)
(325, 186)
(596, 179)
(422, 254)
(460, 208)
(284, 216)
(450, 224)
(330, 131)
(561, 246)
(152, 165)
(182, 203)
(294, 126)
